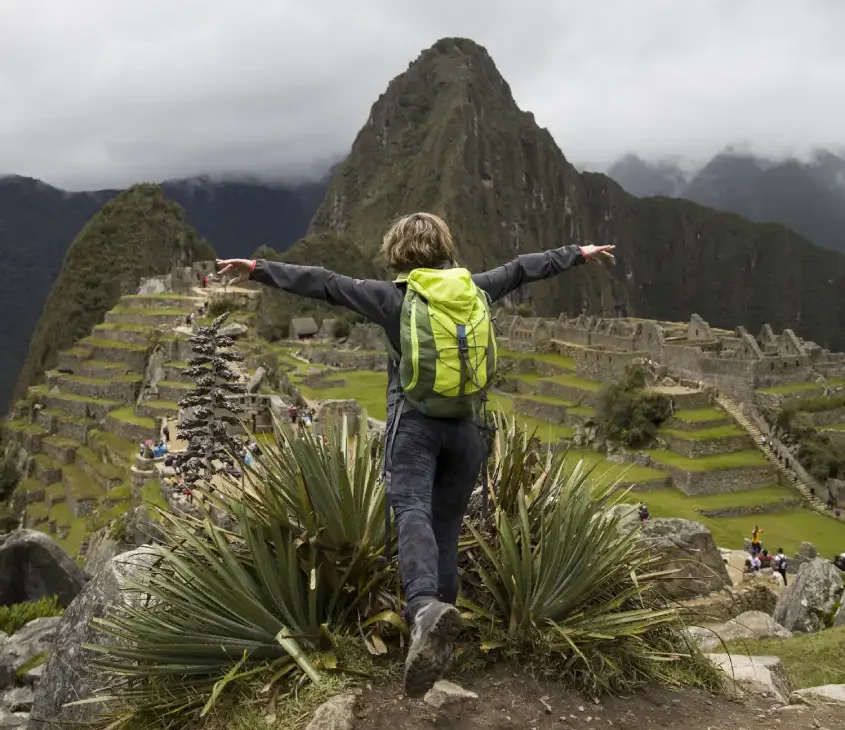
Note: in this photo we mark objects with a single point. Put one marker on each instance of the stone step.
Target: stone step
(146, 317)
(70, 359)
(55, 494)
(45, 470)
(133, 356)
(173, 371)
(121, 388)
(160, 301)
(158, 409)
(171, 391)
(78, 406)
(102, 369)
(60, 449)
(130, 333)
(105, 475)
(83, 493)
(128, 424)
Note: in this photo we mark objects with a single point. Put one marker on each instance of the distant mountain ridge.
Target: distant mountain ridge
(38, 223)
(808, 197)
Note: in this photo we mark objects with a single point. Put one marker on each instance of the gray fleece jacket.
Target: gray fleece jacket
(381, 301)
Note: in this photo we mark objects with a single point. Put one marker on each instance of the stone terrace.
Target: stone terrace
(77, 434)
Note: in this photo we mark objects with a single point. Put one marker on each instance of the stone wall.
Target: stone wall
(366, 337)
(760, 509)
(719, 481)
(693, 448)
(332, 412)
(579, 396)
(552, 412)
(343, 359)
(603, 366)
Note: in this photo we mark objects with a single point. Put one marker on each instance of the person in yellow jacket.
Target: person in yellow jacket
(756, 544)
(433, 455)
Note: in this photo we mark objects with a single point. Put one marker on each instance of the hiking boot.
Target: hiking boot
(436, 626)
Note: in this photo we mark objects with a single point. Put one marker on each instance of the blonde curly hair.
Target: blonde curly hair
(418, 241)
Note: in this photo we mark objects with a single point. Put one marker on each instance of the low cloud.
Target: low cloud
(96, 93)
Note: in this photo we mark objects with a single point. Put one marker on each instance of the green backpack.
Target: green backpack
(448, 344)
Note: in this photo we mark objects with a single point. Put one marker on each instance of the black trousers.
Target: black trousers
(433, 467)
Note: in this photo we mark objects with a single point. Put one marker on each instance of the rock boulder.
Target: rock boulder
(810, 600)
(687, 547)
(825, 694)
(749, 625)
(763, 676)
(68, 675)
(33, 566)
(31, 644)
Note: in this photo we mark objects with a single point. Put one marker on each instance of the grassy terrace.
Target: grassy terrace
(704, 434)
(791, 388)
(549, 400)
(786, 529)
(84, 399)
(107, 471)
(79, 484)
(547, 432)
(92, 341)
(834, 427)
(365, 386)
(736, 460)
(123, 327)
(574, 381)
(696, 415)
(165, 404)
(151, 494)
(124, 378)
(810, 660)
(552, 358)
(127, 415)
(56, 491)
(29, 485)
(122, 447)
(38, 510)
(148, 311)
(183, 384)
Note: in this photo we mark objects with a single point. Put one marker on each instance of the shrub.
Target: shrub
(628, 414)
(9, 478)
(13, 617)
(299, 572)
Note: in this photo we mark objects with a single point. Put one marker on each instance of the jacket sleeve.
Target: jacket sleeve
(378, 301)
(529, 267)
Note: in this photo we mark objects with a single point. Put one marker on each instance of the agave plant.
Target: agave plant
(301, 562)
(556, 571)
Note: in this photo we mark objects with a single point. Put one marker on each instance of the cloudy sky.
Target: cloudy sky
(108, 92)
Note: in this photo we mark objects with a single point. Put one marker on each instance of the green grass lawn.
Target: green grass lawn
(92, 341)
(736, 460)
(127, 414)
(704, 434)
(151, 494)
(787, 529)
(835, 427)
(547, 399)
(810, 660)
(369, 388)
(694, 415)
(79, 484)
(790, 388)
(575, 382)
(553, 358)
(604, 471)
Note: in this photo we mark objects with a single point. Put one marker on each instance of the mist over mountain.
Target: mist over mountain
(807, 196)
(38, 222)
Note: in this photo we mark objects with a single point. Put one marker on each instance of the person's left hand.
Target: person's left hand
(598, 254)
(240, 267)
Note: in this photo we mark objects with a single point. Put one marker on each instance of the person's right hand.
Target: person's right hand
(241, 267)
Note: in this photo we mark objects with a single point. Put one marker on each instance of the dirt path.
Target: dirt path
(507, 702)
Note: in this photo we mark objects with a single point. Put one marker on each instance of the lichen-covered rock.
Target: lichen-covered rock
(810, 600)
(69, 675)
(17, 699)
(688, 549)
(233, 330)
(749, 625)
(33, 641)
(33, 566)
(825, 694)
(763, 676)
(338, 713)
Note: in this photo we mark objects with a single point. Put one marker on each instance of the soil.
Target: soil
(510, 702)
